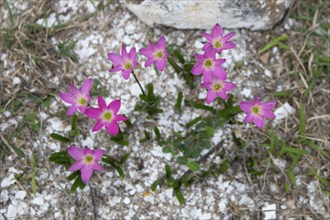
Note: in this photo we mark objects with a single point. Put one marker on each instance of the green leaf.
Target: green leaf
(124, 158)
(193, 166)
(182, 160)
(73, 175)
(157, 133)
(179, 196)
(178, 55)
(120, 171)
(199, 106)
(194, 121)
(154, 185)
(274, 42)
(74, 122)
(168, 170)
(77, 183)
(177, 106)
(292, 178)
(60, 138)
(224, 166)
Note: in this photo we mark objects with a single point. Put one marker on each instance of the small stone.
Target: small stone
(4, 196)
(127, 201)
(20, 194)
(11, 212)
(8, 181)
(38, 201)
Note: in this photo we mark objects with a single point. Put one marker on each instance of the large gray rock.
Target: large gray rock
(203, 14)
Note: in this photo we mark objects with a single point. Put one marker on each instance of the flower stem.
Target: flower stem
(138, 82)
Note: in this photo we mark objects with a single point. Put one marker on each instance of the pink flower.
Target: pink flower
(156, 53)
(207, 65)
(106, 116)
(125, 62)
(217, 41)
(258, 111)
(78, 99)
(86, 161)
(217, 87)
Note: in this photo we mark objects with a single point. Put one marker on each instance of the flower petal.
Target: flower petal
(93, 113)
(222, 93)
(146, 52)
(249, 117)
(115, 58)
(150, 61)
(217, 30)
(73, 89)
(97, 167)
(228, 36)
(268, 114)
(124, 52)
(77, 165)
(161, 44)
(86, 173)
(228, 45)
(246, 106)
(99, 124)
(206, 46)
(160, 64)
(207, 36)
(75, 152)
(72, 110)
(101, 102)
(210, 53)
(112, 128)
(259, 121)
(126, 73)
(86, 87)
(197, 69)
(132, 54)
(67, 97)
(97, 154)
(121, 118)
(116, 68)
(210, 96)
(87, 151)
(83, 108)
(268, 105)
(229, 86)
(114, 106)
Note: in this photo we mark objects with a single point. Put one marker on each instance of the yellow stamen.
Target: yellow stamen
(107, 116)
(128, 65)
(208, 63)
(89, 159)
(82, 101)
(159, 54)
(217, 87)
(256, 110)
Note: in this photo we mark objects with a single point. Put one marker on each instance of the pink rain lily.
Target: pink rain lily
(217, 41)
(87, 161)
(77, 98)
(106, 116)
(207, 64)
(125, 62)
(217, 87)
(258, 111)
(156, 53)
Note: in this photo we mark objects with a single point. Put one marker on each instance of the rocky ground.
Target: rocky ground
(33, 66)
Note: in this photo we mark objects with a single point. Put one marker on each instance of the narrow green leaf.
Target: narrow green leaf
(74, 122)
(292, 178)
(59, 138)
(154, 185)
(73, 175)
(124, 158)
(77, 183)
(178, 55)
(168, 170)
(194, 121)
(199, 106)
(179, 196)
(177, 106)
(120, 171)
(157, 132)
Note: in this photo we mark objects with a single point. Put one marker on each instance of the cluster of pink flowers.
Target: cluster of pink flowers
(214, 77)
(214, 80)
(126, 62)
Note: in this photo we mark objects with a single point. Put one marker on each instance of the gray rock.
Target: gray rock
(203, 14)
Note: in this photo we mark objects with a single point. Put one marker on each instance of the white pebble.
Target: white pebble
(20, 194)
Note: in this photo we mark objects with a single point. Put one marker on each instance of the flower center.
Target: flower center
(82, 101)
(159, 54)
(217, 87)
(89, 159)
(208, 63)
(217, 44)
(256, 110)
(107, 116)
(128, 64)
